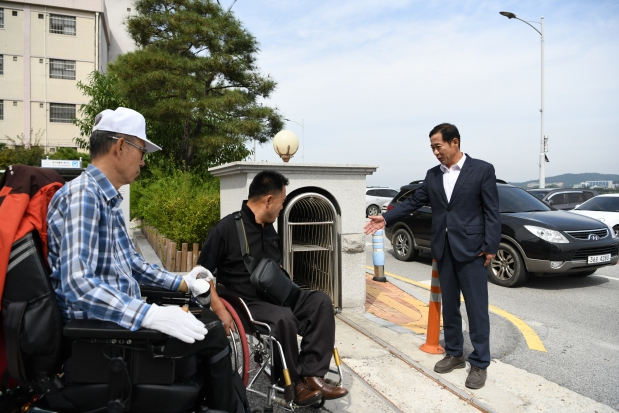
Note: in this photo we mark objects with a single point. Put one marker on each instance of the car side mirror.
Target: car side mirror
(550, 202)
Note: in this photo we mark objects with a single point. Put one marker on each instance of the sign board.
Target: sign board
(55, 163)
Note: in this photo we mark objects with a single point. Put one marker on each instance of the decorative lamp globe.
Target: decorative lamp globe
(286, 144)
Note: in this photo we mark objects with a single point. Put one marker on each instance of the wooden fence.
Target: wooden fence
(168, 253)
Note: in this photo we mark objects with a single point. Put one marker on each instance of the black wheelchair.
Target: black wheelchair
(253, 342)
(113, 369)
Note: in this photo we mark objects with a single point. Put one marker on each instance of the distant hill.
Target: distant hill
(569, 180)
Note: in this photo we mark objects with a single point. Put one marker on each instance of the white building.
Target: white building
(597, 184)
(46, 47)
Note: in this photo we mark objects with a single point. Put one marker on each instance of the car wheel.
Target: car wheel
(583, 273)
(403, 245)
(507, 268)
(372, 210)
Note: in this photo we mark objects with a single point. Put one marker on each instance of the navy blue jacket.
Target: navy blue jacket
(471, 217)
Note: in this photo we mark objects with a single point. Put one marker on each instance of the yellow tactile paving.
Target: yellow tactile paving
(388, 302)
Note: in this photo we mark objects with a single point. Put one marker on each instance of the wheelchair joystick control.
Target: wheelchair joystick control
(203, 300)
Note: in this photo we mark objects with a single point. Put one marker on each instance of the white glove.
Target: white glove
(172, 320)
(199, 287)
(198, 273)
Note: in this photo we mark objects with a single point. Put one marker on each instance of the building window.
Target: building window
(41, 16)
(15, 58)
(60, 24)
(62, 69)
(1, 109)
(14, 12)
(14, 103)
(1, 18)
(41, 105)
(1, 64)
(62, 113)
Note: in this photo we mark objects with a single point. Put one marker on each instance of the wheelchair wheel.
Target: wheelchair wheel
(238, 345)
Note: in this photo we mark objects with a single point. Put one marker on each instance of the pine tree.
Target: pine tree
(195, 74)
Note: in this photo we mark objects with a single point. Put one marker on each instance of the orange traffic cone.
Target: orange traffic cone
(434, 317)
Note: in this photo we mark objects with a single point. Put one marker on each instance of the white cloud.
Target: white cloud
(371, 78)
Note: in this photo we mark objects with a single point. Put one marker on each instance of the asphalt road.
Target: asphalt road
(577, 320)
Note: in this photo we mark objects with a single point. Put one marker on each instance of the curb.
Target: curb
(426, 372)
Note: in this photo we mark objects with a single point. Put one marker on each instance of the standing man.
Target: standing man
(466, 230)
(96, 271)
(310, 316)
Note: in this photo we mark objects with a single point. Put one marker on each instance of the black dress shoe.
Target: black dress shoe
(304, 396)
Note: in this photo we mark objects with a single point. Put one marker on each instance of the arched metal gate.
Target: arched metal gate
(310, 235)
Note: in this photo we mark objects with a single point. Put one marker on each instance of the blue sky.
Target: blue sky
(371, 78)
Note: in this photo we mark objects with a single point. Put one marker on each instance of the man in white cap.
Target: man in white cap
(96, 271)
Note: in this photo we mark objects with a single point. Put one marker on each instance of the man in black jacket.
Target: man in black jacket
(311, 316)
(466, 230)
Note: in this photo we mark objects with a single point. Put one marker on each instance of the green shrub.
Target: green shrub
(183, 207)
(71, 154)
(16, 152)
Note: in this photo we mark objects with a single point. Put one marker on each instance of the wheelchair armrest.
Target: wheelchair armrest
(107, 329)
(156, 292)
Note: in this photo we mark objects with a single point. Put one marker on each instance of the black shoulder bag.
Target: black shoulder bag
(267, 276)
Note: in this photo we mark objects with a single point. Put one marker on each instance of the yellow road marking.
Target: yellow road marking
(421, 318)
(530, 336)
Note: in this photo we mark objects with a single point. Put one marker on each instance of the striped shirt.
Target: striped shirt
(96, 271)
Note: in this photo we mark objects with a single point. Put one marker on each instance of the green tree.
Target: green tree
(195, 79)
(102, 89)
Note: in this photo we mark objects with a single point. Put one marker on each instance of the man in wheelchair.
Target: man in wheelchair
(96, 271)
(310, 316)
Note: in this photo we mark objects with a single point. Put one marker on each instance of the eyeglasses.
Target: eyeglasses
(143, 150)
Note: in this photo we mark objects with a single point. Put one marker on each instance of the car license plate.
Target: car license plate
(594, 259)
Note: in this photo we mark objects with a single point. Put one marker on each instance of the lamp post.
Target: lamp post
(302, 124)
(542, 154)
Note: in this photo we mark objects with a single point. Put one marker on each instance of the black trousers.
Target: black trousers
(470, 278)
(213, 355)
(312, 318)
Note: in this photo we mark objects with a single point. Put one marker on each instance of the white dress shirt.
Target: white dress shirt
(450, 176)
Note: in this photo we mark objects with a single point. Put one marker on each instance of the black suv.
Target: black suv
(535, 239)
(563, 198)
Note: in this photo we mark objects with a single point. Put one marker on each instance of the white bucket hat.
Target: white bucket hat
(125, 121)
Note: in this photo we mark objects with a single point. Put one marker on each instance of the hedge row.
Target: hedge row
(181, 206)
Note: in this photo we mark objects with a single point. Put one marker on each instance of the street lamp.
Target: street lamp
(286, 144)
(302, 124)
(543, 140)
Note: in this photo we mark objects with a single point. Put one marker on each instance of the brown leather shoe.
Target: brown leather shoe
(304, 396)
(476, 378)
(328, 391)
(449, 363)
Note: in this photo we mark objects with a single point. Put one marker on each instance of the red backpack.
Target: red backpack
(25, 193)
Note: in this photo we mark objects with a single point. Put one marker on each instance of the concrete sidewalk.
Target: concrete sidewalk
(385, 371)
(384, 355)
